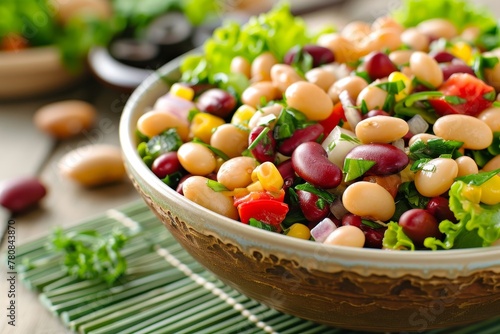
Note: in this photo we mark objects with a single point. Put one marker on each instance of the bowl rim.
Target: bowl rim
(471, 258)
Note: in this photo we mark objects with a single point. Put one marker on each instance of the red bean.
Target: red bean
(419, 224)
(439, 207)
(310, 162)
(287, 173)
(217, 102)
(310, 207)
(453, 68)
(373, 236)
(388, 158)
(166, 164)
(378, 65)
(319, 54)
(265, 149)
(310, 133)
(18, 195)
(443, 57)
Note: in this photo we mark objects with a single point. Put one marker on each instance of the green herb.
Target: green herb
(349, 139)
(433, 148)
(192, 113)
(216, 186)
(234, 83)
(481, 62)
(257, 223)
(423, 165)
(409, 192)
(216, 151)
(392, 87)
(302, 61)
(261, 137)
(454, 99)
(88, 255)
(364, 107)
(364, 75)
(354, 168)
(172, 180)
(371, 224)
(167, 141)
(479, 178)
(141, 137)
(322, 194)
(289, 120)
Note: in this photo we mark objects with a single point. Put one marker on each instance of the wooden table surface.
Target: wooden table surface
(27, 152)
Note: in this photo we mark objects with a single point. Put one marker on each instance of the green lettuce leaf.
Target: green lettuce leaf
(396, 239)
(478, 226)
(276, 31)
(461, 12)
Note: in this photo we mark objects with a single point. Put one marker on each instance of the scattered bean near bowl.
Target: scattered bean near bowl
(93, 165)
(20, 194)
(65, 119)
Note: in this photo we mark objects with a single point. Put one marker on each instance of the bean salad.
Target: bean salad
(378, 135)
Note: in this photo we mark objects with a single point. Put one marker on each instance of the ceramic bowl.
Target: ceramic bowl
(33, 72)
(359, 289)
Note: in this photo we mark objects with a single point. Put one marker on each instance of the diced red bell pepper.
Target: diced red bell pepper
(256, 195)
(334, 119)
(463, 94)
(268, 211)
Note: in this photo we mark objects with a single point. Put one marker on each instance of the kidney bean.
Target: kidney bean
(265, 150)
(418, 224)
(473, 132)
(310, 133)
(309, 99)
(195, 188)
(310, 162)
(349, 236)
(436, 177)
(378, 65)
(320, 55)
(287, 173)
(217, 102)
(381, 129)
(166, 164)
(439, 207)
(388, 159)
(442, 56)
(369, 200)
(309, 205)
(452, 68)
(20, 194)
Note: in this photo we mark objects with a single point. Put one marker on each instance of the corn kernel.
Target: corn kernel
(203, 125)
(490, 191)
(472, 193)
(182, 91)
(242, 115)
(300, 231)
(463, 51)
(398, 76)
(269, 176)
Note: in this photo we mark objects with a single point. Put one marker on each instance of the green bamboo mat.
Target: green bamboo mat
(164, 291)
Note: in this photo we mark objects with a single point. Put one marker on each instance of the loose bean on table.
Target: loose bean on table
(93, 165)
(20, 194)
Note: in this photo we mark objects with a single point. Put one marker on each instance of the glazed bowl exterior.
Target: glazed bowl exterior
(360, 289)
